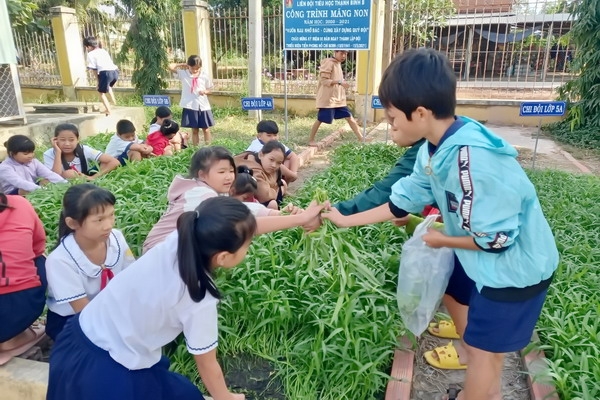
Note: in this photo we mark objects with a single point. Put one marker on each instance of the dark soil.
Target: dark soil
(253, 376)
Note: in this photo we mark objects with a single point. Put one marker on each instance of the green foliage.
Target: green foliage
(21, 12)
(584, 89)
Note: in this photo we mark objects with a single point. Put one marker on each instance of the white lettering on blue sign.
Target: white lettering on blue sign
(376, 102)
(258, 103)
(543, 108)
(156, 100)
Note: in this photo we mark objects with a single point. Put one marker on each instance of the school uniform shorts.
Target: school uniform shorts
(327, 115)
(197, 119)
(80, 370)
(106, 80)
(499, 320)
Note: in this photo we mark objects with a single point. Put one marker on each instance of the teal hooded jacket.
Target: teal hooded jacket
(482, 192)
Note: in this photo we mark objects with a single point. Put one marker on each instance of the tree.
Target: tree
(584, 89)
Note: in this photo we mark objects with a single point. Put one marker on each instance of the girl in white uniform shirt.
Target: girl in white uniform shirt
(112, 350)
(89, 253)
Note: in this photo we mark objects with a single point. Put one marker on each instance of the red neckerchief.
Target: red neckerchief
(105, 276)
(194, 83)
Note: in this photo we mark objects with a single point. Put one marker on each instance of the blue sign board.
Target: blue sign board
(326, 24)
(376, 103)
(543, 108)
(258, 103)
(155, 100)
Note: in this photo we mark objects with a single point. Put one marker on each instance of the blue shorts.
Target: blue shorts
(106, 80)
(18, 310)
(123, 157)
(327, 115)
(197, 119)
(81, 370)
(497, 326)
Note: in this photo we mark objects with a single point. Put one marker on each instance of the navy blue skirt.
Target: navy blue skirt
(197, 119)
(80, 370)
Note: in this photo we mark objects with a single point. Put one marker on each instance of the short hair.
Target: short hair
(125, 126)
(19, 144)
(194, 61)
(267, 126)
(420, 78)
(90, 41)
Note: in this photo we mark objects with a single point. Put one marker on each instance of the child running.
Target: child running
(22, 276)
(266, 131)
(88, 254)
(195, 86)
(99, 61)
(125, 145)
(165, 141)
(71, 159)
(21, 172)
(168, 291)
(505, 253)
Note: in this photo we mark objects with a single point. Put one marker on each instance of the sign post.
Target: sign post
(155, 100)
(541, 109)
(326, 25)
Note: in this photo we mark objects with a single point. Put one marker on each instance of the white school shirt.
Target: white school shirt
(193, 100)
(100, 60)
(153, 128)
(89, 153)
(72, 276)
(257, 146)
(148, 306)
(117, 146)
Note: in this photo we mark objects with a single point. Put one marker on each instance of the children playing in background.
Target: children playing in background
(88, 254)
(265, 165)
(21, 172)
(165, 141)
(195, 86)
(125, 145)
(22, 276)
(99, 61)
(505, 253)
(161, 114)
(266, 131)
(169, 291)
(70, 159)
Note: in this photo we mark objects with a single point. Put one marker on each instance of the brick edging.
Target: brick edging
(534, 362)
(309, 152)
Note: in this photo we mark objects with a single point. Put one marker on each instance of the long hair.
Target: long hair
(244, 182)
(78, 151)
(218, 224)
(80, 201)
(204, 158)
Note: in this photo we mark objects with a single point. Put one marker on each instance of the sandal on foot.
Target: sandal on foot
(447, 358)
(39, 332)
(445, 329)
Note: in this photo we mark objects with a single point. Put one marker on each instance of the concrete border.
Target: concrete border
(309, 152)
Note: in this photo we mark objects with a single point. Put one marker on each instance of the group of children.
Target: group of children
(505, 254)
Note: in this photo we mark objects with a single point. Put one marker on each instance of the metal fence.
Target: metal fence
(36, 58)
(498, 48)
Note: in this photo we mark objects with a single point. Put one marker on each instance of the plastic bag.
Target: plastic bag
(422, 279)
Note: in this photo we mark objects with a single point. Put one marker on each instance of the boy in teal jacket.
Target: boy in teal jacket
(505, 253)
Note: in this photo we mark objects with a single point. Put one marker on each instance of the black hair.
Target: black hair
(125, 126)
(267, 126)
(218, 224)
(273, 145)
(169, 127)
(19, 144)
(194, 61)
(161, 112)
(244, 182)
(78, 151)
(204, 158)
(3, 202)
(80, 201)
(91, 41)
(420, 78)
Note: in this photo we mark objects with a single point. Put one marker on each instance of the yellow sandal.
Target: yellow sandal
(447, 358)
(445, 329)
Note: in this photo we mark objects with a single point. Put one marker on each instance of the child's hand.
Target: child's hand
(401, 221)
(312, 213)
(335, 216)
(54, 142)
(43, 182)
(238, 396)
(284, 187)
(146, 149)
(292, 209)
(434, 238)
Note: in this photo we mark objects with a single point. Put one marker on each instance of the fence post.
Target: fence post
(369, 64)
(69, 50)
(196, 32)
(388, 31)
(255, 53)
